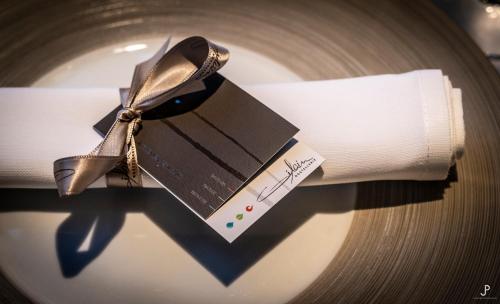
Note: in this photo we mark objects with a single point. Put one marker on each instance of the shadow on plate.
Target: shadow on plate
(103, 211)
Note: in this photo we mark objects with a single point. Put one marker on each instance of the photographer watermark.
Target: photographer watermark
(485, 294)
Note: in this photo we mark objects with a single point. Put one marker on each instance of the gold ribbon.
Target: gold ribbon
(155, 81)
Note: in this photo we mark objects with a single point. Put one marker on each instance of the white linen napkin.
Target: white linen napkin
(387, 127)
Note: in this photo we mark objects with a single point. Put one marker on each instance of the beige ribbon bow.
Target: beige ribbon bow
(155, 81)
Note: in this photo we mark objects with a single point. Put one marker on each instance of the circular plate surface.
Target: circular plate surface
(409, 241)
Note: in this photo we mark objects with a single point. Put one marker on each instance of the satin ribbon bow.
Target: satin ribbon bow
(155, 81)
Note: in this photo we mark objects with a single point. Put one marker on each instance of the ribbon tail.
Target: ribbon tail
(75, 174)
(134, 171)
(127, 173)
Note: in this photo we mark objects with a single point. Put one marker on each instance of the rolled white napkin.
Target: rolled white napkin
(387, 127)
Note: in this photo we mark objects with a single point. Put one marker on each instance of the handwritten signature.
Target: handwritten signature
(292, 169)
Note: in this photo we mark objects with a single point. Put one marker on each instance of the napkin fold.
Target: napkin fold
(387, 127)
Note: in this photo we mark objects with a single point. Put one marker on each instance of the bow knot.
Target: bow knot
(127, 115)
(155, 81)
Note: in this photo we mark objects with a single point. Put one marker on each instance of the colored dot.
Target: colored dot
(249, 208)
(230, 225)
(177, 101)
(239, 217)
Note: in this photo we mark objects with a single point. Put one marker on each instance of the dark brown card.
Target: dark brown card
(205, 145)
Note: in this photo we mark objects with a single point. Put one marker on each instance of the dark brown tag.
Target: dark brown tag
(204, 146)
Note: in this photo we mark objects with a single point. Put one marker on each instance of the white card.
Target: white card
(264, 191)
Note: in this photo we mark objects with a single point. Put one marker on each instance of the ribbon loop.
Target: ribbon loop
(154, 82)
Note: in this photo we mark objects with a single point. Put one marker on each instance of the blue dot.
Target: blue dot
(177, 101)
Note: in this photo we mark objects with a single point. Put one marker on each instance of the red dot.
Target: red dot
(249, 208)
